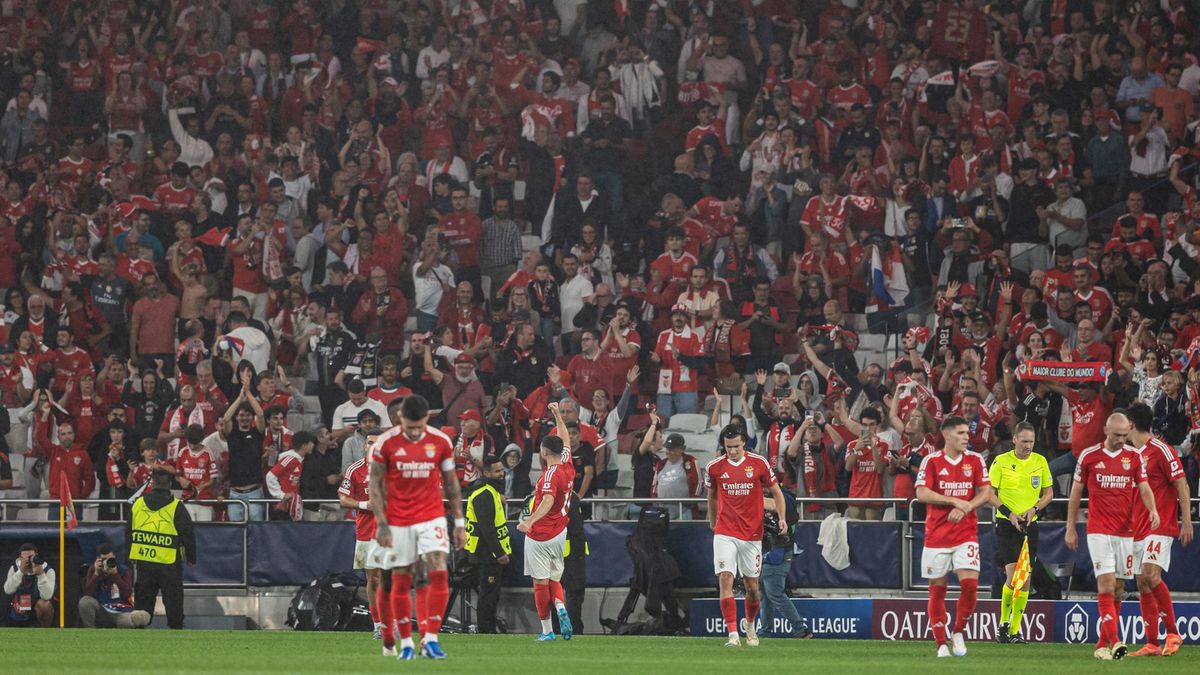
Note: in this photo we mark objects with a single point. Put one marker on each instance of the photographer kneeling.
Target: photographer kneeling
(107, 592)
(31, 585)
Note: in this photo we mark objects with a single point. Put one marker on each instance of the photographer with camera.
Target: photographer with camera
(30, 585)
(777, 560)
(108, 594)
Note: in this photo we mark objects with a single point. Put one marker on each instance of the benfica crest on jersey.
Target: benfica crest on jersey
(430, 450)
(749, 472)
(967, 470)
(1125, 463)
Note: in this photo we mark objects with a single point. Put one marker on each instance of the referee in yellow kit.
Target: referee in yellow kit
(1021, 479)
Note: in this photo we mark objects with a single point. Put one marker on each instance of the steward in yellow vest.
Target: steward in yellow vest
(160, 535)
(487, 539)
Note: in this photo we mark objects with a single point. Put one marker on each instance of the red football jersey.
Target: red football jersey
(413, 474)
(1111, 480)
(356, 485)
(1162, 469)
(960, 478)
(197, 468)
(739, 487)
(556, 483)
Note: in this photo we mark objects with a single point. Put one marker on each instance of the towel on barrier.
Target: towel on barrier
(832, 540)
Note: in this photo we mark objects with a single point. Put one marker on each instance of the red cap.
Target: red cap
(967, 290)
(464, 357)
(471, 414)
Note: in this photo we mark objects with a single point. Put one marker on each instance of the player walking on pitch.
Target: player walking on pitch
(412, 465)
(1021, 481)
(736, 483)
(1152, 546)
(545, 528)
(1113, 473)
(953, 482)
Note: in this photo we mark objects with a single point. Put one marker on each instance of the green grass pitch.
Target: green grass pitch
(158, 651)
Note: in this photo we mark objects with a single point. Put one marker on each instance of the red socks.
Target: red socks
(966, 603)
(437, 594)
(729, 613)
(751, 611)
(1108, 620)
(541, 600)
(371, 606)
(1150, 616)
(1166, 609)
(383, 606)
(556, 593)
(421, 593)
(937, 613)
(402, 604)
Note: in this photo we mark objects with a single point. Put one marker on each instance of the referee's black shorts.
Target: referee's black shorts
(1009, 538)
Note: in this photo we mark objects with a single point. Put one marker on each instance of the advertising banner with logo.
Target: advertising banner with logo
(1070, 621)
(838, 619)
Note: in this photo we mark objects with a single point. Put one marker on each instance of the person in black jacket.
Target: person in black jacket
(152, 577)
(524, 362)
(320, 478)
(487, 539)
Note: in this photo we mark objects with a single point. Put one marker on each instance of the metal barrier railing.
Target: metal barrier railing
(906, 524)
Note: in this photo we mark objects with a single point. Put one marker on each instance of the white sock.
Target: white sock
(560, 606)
(378, 625)
(733, 635)
(406, 642)
(547, 626)
(430, 637)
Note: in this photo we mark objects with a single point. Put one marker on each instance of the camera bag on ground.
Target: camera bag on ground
(330, 603)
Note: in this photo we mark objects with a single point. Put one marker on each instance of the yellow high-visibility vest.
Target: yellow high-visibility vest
(497, 517)
(154, 537)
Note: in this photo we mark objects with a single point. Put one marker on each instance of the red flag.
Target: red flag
(64, 498)
(216, 236)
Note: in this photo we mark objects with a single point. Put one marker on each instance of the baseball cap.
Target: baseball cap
(471, 414)
(6, 348)
(782, 367)
(675, 441)
(968, 290)
(464, 357)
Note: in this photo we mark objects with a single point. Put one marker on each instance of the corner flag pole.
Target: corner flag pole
(62, 564)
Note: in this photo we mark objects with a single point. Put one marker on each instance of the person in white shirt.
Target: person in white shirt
(246, 342)
(574, 288)
(345, 417)
(193, 150)
(431, 278)
(433, 55)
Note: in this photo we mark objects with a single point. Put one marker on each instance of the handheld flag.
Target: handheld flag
(1023, 569)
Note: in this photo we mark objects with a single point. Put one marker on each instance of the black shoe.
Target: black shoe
(1002, 634)
(1016, 639)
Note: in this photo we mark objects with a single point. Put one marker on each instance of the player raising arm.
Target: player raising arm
(953, 482)
(736, 483)
(412, 466)
(1113, 473)
(545, 528)
(1152, 546)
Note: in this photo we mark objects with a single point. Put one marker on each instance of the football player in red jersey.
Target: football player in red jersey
(1113, 473)
(545, 528)
(354, 493)
(736, 483)
(412, 466)
(953, 482)
(1152, 546)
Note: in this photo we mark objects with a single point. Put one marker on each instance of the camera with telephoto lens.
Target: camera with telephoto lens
(774, 535)
(37, 560)
(110, 563)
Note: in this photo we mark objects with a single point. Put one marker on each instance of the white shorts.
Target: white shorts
(368, 555)
(938, 562)
(544, 559)
(1111, 555)
(409, 542)
(736, 556)
(1155, 549)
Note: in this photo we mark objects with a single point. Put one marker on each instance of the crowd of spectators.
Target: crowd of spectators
(234, 232)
